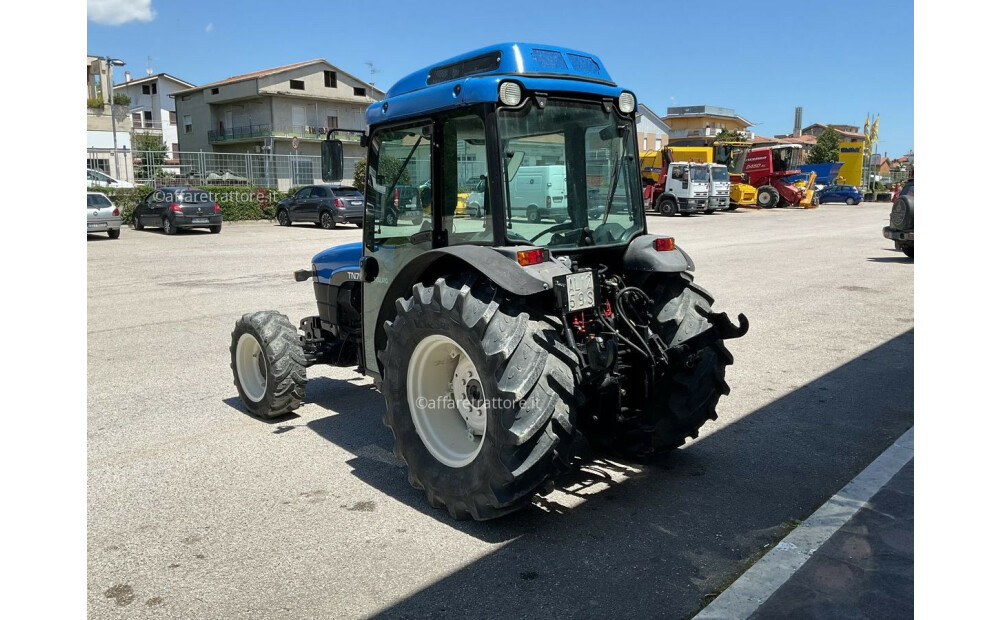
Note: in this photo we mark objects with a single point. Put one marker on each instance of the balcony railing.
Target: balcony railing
(246, 132)
(249, 132)
(147, 125)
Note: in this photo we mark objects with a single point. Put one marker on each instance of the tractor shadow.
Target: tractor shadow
(619, 539)
(728, 493)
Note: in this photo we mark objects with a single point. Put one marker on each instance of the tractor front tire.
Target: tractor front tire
(269, 365)
(681, 404)
(480, 396)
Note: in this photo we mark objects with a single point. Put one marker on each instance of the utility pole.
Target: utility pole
(112, 63)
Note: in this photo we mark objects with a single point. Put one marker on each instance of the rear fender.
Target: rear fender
(490, 262)
(642, 257)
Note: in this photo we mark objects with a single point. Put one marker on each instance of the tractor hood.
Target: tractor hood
(337, 263)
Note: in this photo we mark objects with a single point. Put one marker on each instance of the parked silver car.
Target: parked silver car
(103, 215)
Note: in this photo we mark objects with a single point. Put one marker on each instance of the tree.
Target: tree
(150, 151)
(827, 149)
(359, 174)
(389, 167)
(731, 135)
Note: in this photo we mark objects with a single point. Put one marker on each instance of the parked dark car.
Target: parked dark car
(177, 208)
(840, 193)
(323, 205)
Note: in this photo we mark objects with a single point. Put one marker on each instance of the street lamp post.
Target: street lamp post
(112, 63)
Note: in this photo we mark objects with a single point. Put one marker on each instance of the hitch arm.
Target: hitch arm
(722, 326)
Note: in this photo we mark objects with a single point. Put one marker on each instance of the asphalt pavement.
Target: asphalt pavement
(196, 509)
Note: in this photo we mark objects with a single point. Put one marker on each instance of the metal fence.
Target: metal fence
(200, 168)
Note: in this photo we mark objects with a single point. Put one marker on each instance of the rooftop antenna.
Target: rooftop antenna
(149, 65)
(371, 75)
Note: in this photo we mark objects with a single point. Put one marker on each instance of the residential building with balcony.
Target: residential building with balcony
(100, 111)
(699, 124)
(151, 107)
(261, 112)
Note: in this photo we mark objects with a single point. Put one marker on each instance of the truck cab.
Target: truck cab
(720, 186)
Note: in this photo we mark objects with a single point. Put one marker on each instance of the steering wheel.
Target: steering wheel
(555, 228)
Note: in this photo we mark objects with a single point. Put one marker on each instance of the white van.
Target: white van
(539, 191)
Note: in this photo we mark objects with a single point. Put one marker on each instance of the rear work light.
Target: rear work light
(530, 257)
(664, 244)
(176, 207)
(216, 207)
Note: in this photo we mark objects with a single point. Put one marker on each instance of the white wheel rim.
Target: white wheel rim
(249, 367)
(447, 401)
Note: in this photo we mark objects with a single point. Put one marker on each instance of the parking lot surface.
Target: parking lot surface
(196, 509)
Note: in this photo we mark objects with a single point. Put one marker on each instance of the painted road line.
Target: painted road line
(762, 579)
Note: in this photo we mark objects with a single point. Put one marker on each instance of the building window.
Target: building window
(331, 122)
(215, 91)
(187, 123)
(296, 84)
(173, 117)
(330, 79)
(136, 120)
(659, 144)
(359, 92)
(101, 165)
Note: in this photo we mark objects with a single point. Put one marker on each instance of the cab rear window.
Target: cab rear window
(192, 196)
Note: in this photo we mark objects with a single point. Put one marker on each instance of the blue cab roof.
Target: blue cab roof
(478, 74)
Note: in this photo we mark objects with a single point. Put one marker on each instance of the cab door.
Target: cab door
(397, 156)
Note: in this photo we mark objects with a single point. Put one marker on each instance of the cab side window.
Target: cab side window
(466, 207)
(398, 174)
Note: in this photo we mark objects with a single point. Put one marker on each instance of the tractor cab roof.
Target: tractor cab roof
(474, 77)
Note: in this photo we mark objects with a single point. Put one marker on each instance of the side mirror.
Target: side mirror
(333, 160)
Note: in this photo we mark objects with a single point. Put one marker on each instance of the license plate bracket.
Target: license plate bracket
(575, 291)
(200, 220)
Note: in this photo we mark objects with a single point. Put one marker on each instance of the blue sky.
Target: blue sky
(847, 58)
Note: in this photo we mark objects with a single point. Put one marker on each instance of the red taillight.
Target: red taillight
(339, 202)
(115, 212)
(216, 207)
(530, 257)
(176, 207)
(395, 198)
(664, 244)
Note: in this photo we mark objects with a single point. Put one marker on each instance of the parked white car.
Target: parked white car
(103, 215)
(96, 178)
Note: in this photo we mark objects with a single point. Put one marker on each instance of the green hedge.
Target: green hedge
(239, 203)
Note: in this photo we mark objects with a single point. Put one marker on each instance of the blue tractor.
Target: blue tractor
(500, 340)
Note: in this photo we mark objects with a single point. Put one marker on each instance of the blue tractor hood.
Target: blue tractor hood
(334, 265)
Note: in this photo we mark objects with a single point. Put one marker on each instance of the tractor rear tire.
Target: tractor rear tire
(768, 197)
(681, 404)
(269, 365)
(525, 378)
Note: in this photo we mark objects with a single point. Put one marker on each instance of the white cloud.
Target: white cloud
(208, 28)
(117, 12)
